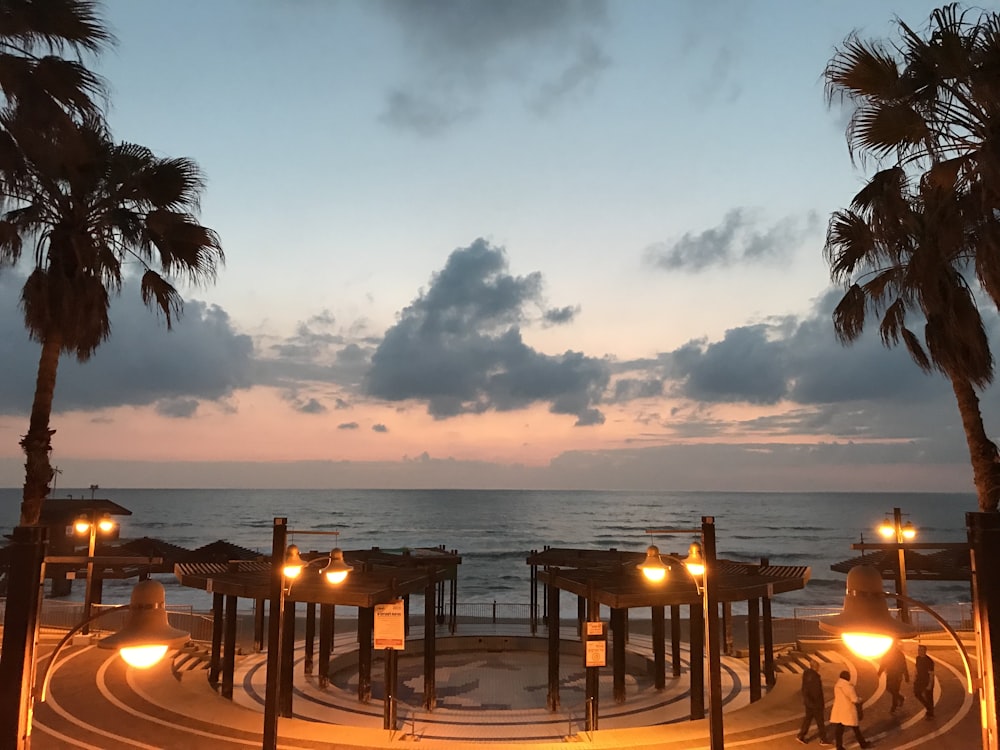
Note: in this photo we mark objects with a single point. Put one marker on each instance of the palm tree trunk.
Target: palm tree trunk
(37, 444)
(982, 451)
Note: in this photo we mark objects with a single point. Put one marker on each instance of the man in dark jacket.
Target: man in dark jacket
(814, 702)
(894, 666)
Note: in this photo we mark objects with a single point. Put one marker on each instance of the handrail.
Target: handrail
(47, 672)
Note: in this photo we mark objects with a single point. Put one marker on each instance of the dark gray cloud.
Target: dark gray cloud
(738, 239)
(348, 426)
(177, 407)
(863, 391)
(311, 406)
(458, 347)
(560, 316)
(379, 428)
(202, 359)
(461, 51)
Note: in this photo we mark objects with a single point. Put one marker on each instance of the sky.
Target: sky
(480, 243)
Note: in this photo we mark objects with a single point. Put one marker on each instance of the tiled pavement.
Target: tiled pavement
(97, 704)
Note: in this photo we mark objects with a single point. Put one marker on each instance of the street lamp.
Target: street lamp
(286, 566)
(142, 641)
(868, 629)
(700, 565)
(91, 523)
(894, 530)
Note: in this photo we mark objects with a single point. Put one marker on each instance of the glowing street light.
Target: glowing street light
(144, 639)
(700, 566)
(91, 523)
(286, 567)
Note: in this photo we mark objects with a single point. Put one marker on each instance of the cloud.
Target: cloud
(202, 359)
(560, 316)
(458, 347)
(348, 426)
(177, 407)
(461, 52)
(379, 428)
(311, 406)
(736, 240)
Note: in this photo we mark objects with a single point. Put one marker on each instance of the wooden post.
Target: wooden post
(258, 625)
(770, 678)
(229, 648)
(552, 699)
(366, 622)
(430, 649)
(307, 662)
(753, 643)
(325, 643)
(215, 658)
(287, 660)
(619, 626)
(696, 637)
(675, 639)
(659, 648)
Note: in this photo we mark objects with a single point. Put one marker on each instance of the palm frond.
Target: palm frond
(849, 315)
(158, 294)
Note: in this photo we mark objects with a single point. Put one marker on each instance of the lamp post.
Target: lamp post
(90, 523)
(701, 565)
(869, 630)
(286, 565)
(142, 642)
(895, 530)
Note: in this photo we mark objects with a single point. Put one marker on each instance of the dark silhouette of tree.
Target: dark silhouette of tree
(82, 207)
(921, 238)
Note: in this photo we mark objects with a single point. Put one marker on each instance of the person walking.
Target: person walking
(814, 704)
(923, 681)
(846, 711)
(893, 664)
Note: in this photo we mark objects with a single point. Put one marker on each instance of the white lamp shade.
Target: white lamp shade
(146, 626)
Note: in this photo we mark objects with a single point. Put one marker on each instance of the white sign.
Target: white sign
(595, 628)
(596, 653)
(389, 625)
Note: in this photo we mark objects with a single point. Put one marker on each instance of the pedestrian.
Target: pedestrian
(846, 711)
(814, 704)
(923, 681)
(894, 666)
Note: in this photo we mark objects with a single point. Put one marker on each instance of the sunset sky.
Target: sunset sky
(526, 244)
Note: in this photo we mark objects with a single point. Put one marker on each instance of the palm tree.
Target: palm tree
(88, 206)
(927, 106)
(45, 85)
(906, 252)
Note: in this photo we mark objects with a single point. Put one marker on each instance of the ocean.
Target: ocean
(494, 530)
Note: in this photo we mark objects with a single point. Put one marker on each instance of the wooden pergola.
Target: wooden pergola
(610, 578)
(378, 577)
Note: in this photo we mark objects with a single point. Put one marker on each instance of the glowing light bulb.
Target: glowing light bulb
(143, 657)
(867, 645)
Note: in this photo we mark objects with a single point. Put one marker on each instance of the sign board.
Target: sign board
(595, 646)
(597, 653)
(389, 625)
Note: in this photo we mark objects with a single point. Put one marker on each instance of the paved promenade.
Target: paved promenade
(494, 698)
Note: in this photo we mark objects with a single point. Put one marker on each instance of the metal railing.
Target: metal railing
(957, 614)
(59, 615)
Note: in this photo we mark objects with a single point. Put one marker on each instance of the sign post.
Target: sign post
(390, 635)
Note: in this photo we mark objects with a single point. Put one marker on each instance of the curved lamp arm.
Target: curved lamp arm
(973, 682)
(47, 672)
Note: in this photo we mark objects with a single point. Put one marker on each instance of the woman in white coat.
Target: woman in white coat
(845, 711)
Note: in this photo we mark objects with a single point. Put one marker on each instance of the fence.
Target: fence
(958, 615)
(60, 616)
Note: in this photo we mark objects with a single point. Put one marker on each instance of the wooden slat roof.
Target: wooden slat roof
(378, 577)
(611, 577)
(943, 565)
